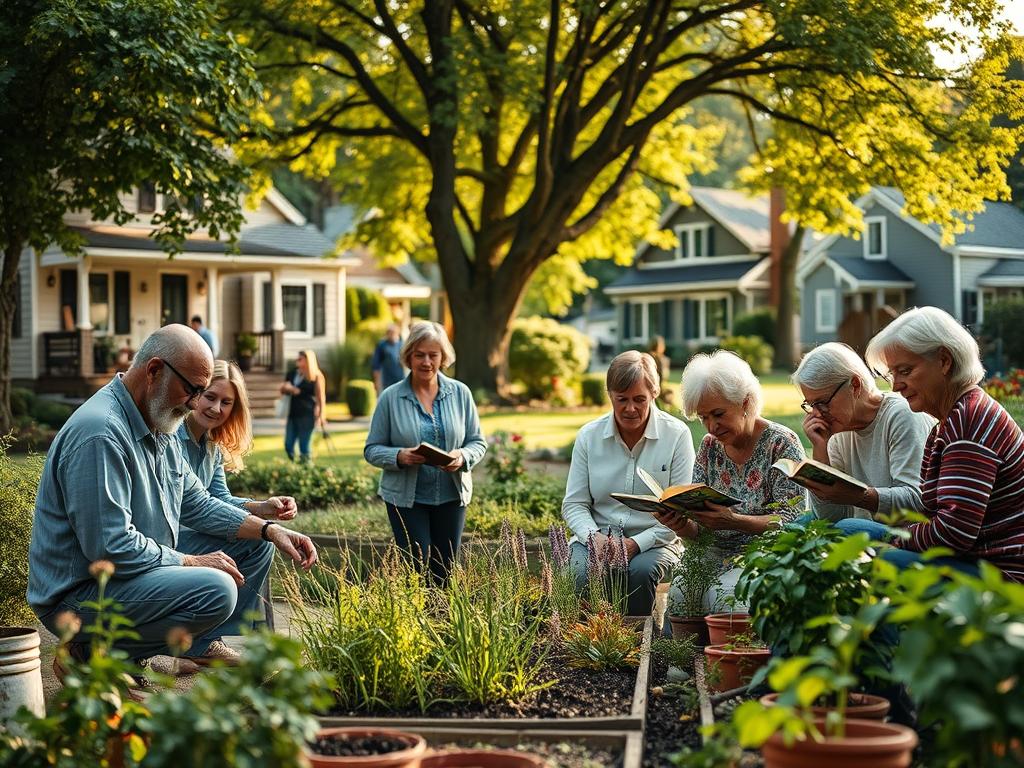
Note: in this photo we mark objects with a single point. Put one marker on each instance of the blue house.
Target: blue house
(692, 293)
(850, 287)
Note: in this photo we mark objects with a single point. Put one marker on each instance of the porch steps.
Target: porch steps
(263, 392)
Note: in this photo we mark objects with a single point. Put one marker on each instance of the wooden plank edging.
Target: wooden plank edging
(707, 712)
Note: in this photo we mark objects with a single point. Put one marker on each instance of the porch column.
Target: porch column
(341, 304)
(213, 306)
(84, 321)
(277, 319)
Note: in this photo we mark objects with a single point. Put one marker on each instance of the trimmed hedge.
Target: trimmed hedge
(753, 349)
(361, 397)
(17, 501)
(544, 353)
(593, 389)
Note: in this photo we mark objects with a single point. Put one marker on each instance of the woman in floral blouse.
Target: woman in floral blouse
(736, 457)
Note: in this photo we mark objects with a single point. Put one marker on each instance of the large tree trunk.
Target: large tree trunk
(8, 303)
(785, 349)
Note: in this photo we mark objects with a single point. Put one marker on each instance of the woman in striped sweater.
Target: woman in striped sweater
(972, 473)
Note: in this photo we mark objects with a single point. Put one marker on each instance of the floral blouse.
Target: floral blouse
(756, 482)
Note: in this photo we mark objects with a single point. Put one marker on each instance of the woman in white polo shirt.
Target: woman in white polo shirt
(605, 457)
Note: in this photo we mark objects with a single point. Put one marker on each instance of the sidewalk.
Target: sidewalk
(275, 426)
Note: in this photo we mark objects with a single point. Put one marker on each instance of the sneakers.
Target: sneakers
(220, 651)
(174, 666)
(139, 690)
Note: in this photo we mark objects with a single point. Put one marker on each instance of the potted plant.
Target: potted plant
(724, 628)
(733, 665)
(102, 353)
(694, 576)
(246, 345)
(366, 748)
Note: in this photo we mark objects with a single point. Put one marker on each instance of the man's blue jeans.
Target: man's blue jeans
(203, 601)
(646, 571)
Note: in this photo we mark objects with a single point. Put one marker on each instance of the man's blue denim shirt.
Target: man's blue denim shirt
(113, 490)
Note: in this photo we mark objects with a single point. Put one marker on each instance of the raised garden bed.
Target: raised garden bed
(558, 748)
(586, 703)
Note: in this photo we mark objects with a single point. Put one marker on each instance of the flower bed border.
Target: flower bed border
(633, 722)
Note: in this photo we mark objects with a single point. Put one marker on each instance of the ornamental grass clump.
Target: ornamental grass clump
(372, 632)
(607, 573)
(602, 641)
(561, 602)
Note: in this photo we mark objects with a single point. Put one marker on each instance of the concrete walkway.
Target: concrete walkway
(276, 426)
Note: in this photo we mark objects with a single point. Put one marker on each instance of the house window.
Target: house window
(824, 311)
(319, 309)
(716, 321)
(874, 239)
(295, 306)
(969, 304)
(654, 317)
(695, 241)
(99, 301)
(16, 324)
(637, 320)
(147, 198)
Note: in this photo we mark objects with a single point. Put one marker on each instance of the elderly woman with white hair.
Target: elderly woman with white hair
(858, 429)
(426, 504)
(972, 473)
(605, 457)
(736, 457)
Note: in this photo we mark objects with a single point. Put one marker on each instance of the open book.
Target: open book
(434, 455)
(809, 469)
(678, 498)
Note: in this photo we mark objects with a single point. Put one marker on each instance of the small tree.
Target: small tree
(97, 96)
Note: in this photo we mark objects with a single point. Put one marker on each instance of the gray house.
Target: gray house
(720, 267)
(850, 288)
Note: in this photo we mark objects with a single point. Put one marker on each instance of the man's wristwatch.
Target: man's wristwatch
(263, 530)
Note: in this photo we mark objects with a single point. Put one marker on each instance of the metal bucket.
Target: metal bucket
(20, 681)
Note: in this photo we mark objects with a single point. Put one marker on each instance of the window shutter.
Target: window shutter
(626, 317)
(122, 302)
(16, 325)
(319, 309)
(268, 306)
(710, 246)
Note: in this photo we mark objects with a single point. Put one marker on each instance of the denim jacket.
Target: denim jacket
(395, 425)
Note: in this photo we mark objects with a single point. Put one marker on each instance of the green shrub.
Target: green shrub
(346, 361)
(535, 494)
(753, 349)
(315, 486)
(758, 323)
(22, 401)
(17, 502)
(361, 397)
(543, 353)
(593, 388)
(1002, 323)
(363, 304)
(51, 412)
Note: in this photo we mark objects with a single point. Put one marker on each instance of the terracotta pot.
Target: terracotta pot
(403, 758)
(724, 627)
(688, 626)
(867, 742)
(735, 666)
(481, 758)
(861, 706)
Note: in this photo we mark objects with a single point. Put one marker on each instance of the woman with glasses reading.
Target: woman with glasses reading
(858, 429)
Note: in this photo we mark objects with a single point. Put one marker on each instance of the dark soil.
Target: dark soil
(577, 693)
(562, 754)
(671, 723)
(362, 746)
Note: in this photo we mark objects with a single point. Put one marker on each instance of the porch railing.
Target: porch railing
(264, 356)
(61, 353)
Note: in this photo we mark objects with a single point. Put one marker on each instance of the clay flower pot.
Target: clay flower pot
(867, 742)
(481, 758)
(408, 757)
(859, 706)
(690, 626)
(734, 666)
(724, 627)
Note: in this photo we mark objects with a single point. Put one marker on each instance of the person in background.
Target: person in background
(605, 456)
(385, 364)
(972, 473)
(856, 428)
(735, 457)
(116, 488)
(426, 504)
(206, 333)
(306, 385)
(656, 349)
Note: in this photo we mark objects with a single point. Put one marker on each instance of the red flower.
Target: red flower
(517, 438)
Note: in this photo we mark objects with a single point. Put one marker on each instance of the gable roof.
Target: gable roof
(999, 225)
(1005, 272)
(745, 217)
(868, 273)
(707, 273)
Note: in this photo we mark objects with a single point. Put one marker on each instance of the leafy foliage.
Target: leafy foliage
(753, 349)
(504, 461)
(361, 397)
(759, 323)
(593, 389)
(1003, 321)
(696, 572)
(315, 485)
(346, 361)
(543, 351)
(17, 502)
(602, 641)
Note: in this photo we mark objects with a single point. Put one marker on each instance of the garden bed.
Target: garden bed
(585, 700)
(558, 748)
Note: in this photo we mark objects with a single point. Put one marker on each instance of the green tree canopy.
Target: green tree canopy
(97, 96)
(506, 133)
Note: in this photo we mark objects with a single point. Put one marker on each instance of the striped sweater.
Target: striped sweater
(972, 486)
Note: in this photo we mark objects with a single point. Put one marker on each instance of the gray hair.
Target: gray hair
(830, 365)
(630, 367)
(427, 330)
(174, 343)
(924, 331)
(724, 373)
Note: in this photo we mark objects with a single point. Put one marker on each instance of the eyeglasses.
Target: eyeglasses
(193, 390)
(822, 405)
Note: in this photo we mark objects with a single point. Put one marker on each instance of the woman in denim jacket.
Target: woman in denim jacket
(426, 504)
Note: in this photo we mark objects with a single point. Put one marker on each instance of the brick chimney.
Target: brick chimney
(779, 238)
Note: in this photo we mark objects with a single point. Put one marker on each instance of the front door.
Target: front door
(173, 299)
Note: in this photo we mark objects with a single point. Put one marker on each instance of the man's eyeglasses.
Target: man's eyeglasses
(193, 390)
(822, 405)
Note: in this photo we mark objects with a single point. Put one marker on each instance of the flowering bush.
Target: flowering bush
(1006, 386)
(505, 456)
